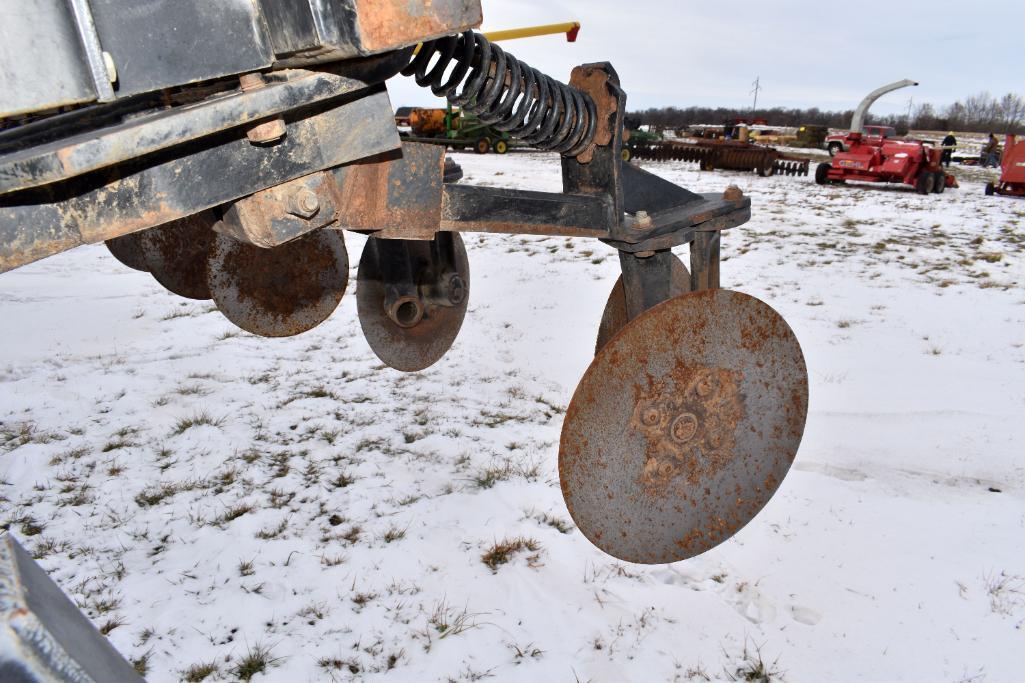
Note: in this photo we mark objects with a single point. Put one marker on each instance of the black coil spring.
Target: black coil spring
(505, 93)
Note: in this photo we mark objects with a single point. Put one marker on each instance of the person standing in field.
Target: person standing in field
(989, 152)
(949, 143)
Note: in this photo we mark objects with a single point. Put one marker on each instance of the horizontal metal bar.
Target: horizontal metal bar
(466, 208)
(66, 158)
(188, 179)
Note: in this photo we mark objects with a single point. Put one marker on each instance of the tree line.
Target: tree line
(981, 113)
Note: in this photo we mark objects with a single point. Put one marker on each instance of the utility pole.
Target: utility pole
(755, 89)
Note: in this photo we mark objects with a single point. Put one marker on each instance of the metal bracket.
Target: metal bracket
(395, 197)
(282, 213)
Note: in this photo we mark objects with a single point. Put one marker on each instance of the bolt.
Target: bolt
(268, 131)
(304, 203)
(456, 289)
(642, 220)
(733, 194)
(108, 64)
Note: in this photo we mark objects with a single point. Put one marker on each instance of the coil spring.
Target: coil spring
(505, 93)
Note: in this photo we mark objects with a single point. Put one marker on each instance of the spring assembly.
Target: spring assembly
(506, 93)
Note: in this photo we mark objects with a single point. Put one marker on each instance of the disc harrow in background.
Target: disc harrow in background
(614, 318)
(420, 345)
(176, 253)
(683, 426)
(281, 291)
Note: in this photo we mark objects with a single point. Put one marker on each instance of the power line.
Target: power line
(755, 89)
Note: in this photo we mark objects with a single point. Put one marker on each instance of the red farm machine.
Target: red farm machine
(1012, 173)
(909, 162)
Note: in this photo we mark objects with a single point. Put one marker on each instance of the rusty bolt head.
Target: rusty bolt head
(733, 194)
(304, 203)
(642, 220)
(455, 289)
(268, 131)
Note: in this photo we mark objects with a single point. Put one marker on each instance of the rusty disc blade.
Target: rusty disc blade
(614, 318)
(128, 250)
(176, 254)
(409, 349)
(683, 426)
(281, 291)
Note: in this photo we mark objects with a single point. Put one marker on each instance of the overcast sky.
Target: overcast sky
(807, 52)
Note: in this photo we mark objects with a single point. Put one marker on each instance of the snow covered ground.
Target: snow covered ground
(221, 504)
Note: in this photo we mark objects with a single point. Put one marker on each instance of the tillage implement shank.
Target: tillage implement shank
(238, 187)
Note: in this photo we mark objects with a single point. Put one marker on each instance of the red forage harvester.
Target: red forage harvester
(910, 162)
(1012, 170)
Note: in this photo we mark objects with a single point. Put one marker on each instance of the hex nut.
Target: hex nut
(733, 194)
(304, 203)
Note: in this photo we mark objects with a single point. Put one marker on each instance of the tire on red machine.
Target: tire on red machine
(939, 183)
(822, 173)
(924, 183)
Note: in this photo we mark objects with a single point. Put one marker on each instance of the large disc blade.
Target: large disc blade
(614, 318)
(281, 291)
(683, 426)
(176, 254)
(128, 250)
(409, 348)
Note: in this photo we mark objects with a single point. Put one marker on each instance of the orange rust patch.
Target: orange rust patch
(689, 420)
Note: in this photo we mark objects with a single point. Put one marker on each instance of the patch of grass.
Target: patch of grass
(558, 523)
(117, 444)
(446, 620)
(111, 624)
(245, 568)
(197, 420)
(1005, 591)
(199, 672)
(313, 612)
(751, 668)
(361, 599)
(489, 476)
(501, 552)
(30, 527)
(191, 390)
(48, 547)
(234, 512)
(141, 664)
(254, 662)
(152, 495)
(394, 534)
(16, 435)
(337, 664)
(272, 532)
(525, 652)
(343, 480)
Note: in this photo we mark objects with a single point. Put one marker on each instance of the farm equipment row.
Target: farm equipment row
(689, 416)
(725, 154)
